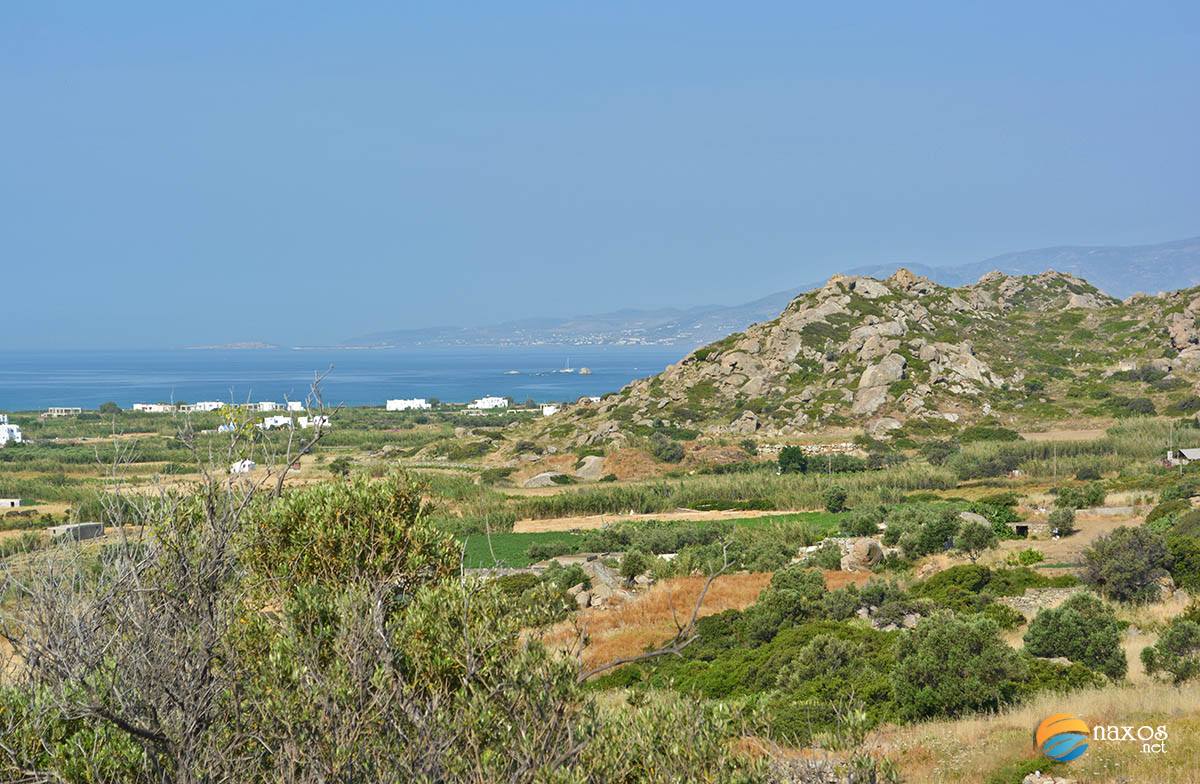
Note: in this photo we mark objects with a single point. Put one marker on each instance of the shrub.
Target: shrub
(938, 452)
(1180, 491)
(792, 460)
(835, 499)
(1168, 510)
(828, 556)
(1084, 630)
(951, 665)
(974, 538)
(1088, 474)
(665, 449)
(634, 563)
(1185, 561)
(1126, 564)
(863, 521)
(1062, 520)
(1177, 652)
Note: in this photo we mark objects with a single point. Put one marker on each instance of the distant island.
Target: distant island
(251, 345)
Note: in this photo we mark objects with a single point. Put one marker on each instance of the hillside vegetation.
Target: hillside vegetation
(907, 357)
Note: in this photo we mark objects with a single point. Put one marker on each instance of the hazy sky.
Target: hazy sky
(307, 172)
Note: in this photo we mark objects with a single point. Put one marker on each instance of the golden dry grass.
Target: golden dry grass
(970, 750)
(650, 619)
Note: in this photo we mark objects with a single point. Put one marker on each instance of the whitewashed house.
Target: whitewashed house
(272, 422)
(549, 409)
(9, 503)
(313, 421)
(409, 404)
(295, 405)
(267, 405)
(242, 467)
(204, 406)
(9, 432)
(154, 408)
(488, 402)
(61, 411)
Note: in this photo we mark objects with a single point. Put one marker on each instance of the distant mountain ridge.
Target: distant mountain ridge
(1119, 271)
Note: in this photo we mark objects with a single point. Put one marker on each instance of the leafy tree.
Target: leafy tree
(634, 563)
(109, 407)
(1085, 630)
(1177, 652)
(1062, 520)
(951, 665)
(792, 460)
(339, 466)
(1126, 564)
(749, 446)
(1185, 561)
(974, 538)
(665, 449)
(835, 499)
(938, 452)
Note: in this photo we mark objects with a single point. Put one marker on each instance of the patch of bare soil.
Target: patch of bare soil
(1079, 434)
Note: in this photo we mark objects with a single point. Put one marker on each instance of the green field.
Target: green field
(510, 549)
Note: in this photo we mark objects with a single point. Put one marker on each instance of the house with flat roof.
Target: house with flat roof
(9, 432)
(154, 408)
(408, 404)
(61, 411)
(9, 503)
(488, 402)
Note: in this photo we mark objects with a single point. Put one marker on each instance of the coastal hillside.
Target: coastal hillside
(907, 353)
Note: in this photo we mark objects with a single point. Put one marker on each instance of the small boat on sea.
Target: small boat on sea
(512, 372)
(583, 371)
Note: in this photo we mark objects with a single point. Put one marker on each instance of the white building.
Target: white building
(242, 467)
(267, 405)
(9, 503)
(409, 404)
(1180, 457)
(228, 427)
(489, 402)
(204, 405)
(295, 405)
(272, 422)
(314, 421)
(154, 408)
(60, 411)
(9, 432)
(549, 409)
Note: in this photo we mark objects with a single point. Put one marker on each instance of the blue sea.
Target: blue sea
(36, 380)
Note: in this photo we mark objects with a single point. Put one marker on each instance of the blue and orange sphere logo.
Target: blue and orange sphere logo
(1062, 737)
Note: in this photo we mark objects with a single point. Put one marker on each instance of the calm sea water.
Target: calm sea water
(35, 380)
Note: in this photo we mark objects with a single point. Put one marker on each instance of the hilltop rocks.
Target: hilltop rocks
(956, 362)
(836, 357)
(872, 386)
(746, 424)
(1083, 302)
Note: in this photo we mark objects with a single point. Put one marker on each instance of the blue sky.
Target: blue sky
(307, 172)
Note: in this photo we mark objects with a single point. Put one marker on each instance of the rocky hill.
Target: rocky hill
(905, 352)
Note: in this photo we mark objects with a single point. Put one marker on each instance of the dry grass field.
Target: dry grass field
(974, 750)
